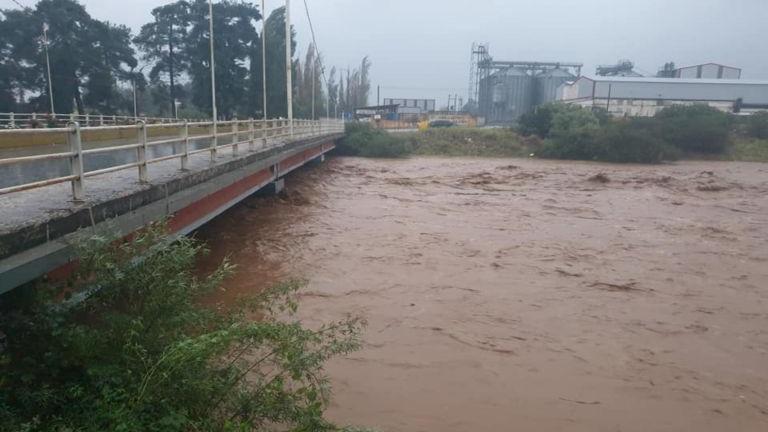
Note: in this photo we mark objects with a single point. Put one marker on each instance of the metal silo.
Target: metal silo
(519, 88)
(547, 83)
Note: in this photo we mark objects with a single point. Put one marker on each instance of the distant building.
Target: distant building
(378, 112)
(412, 106)
(509, 92)
(708, 71)
(622, 68)
(637, 96)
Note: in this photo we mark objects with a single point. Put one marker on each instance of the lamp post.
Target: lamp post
(288, 65)
(213, 66)
(264, 66)
(48, 66)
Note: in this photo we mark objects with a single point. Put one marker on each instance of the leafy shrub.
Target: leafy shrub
(634, 141)
(138, 353)
(757, 125)
(364, 140)
(578, 134)
(541, 121)
(695, 128)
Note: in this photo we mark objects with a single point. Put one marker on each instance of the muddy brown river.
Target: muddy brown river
(506, 294)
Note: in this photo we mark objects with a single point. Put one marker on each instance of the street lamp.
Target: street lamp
(48, 65)
(288, 65)
(264, 66)
(213, 65)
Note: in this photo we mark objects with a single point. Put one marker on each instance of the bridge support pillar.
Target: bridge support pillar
(272, 188)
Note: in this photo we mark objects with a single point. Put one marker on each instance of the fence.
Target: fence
(257, 135)
(39, 120)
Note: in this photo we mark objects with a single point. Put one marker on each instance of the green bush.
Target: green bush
(139, 353)
(364, 140)
(757, 125)
(695, 128)
(633, 140)
(578, 134)
(541, 121)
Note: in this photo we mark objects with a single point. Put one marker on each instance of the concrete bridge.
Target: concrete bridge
(56, 182)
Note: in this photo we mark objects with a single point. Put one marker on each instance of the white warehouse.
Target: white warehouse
(708, 71)
(639, 96)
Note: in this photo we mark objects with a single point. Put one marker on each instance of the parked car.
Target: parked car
(441, 124)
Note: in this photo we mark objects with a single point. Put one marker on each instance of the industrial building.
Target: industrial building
(412, 106)
(708, 71)
(502, 91)
(638, 96)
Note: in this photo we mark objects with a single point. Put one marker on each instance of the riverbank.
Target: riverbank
(527, 294)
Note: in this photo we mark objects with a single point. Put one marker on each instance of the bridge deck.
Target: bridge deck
(34, 224)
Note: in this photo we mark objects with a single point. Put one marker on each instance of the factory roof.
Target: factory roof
(674, 80)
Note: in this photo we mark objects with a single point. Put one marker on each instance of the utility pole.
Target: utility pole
(288, 65)
(135, 108)
(48, 65)
(314, 64)
(264, 66)
(378, 95)
(213, 66)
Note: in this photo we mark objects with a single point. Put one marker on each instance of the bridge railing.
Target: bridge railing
(152, 143)
(45, 120)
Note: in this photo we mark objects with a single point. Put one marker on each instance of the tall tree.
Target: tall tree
(234, 36)
(86, 55)
(162, 42)
(333, 92)
(9, 69)
(277, 105)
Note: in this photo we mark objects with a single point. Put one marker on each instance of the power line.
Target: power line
(317, 51)
(21, 5)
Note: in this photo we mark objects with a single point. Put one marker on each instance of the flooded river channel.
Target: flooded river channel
(506, 294)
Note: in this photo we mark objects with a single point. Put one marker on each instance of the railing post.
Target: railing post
(101, 119)
(265, 132)
(251, 136)
(185, 150)
(214, 141)
(13, 120)
(75, 142)
(235, 136)
(87, 120)
(141, 152)
(114, 120)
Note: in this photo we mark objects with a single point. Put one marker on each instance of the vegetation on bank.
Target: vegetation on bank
(139, 353)
(364, 140)
(573, 132)
(559, 131)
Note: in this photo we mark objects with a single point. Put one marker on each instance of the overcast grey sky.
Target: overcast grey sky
(421, 48)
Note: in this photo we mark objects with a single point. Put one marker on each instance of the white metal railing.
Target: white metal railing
(44, 120)
(258, 135)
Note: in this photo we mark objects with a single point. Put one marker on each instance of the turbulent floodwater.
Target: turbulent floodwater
(526, 295)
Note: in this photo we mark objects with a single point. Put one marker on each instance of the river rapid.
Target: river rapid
(506, 294)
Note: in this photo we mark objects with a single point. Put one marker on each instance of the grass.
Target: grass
(467, 142)
(748, 150)
(365, 141)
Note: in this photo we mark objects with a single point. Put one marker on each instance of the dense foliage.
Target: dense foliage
(138, 352)
(573, 132)
(88, 57)
(757, 125)
(95, 67)
(364, 140)
(695, 128)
